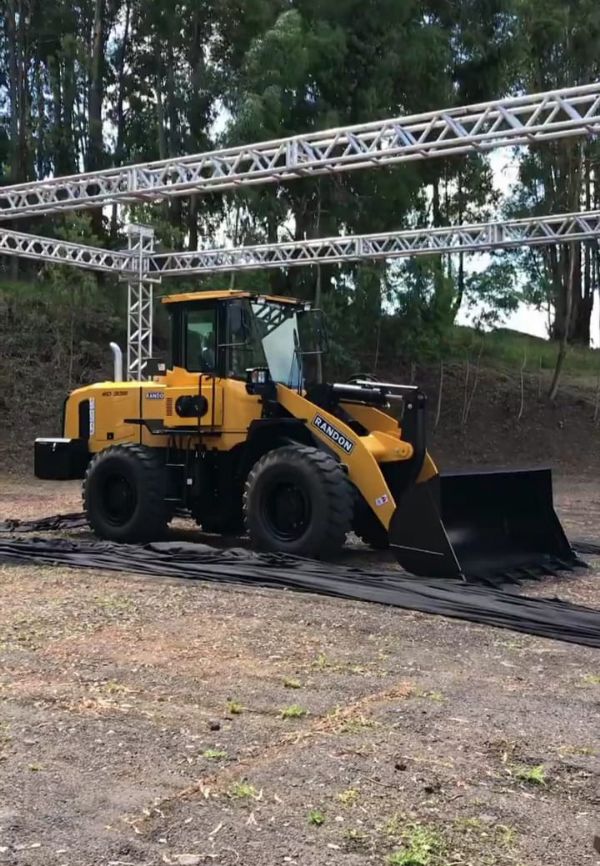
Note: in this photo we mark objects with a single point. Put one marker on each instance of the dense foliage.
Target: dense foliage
(86, 84)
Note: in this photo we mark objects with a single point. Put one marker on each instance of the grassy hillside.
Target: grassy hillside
(507, 348)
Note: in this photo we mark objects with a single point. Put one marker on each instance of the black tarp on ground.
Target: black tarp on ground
(494, 606)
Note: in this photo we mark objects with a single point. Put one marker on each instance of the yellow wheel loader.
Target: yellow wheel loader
(237, 430)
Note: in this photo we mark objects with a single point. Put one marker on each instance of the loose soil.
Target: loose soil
(151, 721)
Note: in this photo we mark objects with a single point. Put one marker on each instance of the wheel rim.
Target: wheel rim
(119, 499)
(287, 510)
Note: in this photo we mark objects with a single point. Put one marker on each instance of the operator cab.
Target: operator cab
(226, 334)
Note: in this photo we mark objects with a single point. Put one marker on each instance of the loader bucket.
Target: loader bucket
(481, 525)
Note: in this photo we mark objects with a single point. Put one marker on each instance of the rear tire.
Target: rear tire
(124, 494)
(298, 500)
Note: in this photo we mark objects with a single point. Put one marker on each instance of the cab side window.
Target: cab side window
(200, 334)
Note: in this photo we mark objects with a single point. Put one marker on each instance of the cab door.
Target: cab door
(194, 392)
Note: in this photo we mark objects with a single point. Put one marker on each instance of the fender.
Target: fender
(358, 453)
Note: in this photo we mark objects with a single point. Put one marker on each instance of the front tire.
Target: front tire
(298, 500)
(124, 494)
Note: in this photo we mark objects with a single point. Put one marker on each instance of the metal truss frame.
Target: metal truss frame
(140, 300)
(141, 263)
(62, 252)
(475, 238)
(521, 120)
(475, 128)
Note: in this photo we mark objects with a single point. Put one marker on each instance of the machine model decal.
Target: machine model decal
(92, 416)
(336, 436)
(155, 395)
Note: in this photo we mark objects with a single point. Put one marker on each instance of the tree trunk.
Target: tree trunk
(460, 283)
(173, 138)
(95, 99)
(13, 88)
(582, 316)
(18, 95)
(161, 134)
(197, 111)
(120, 112)
(564, 342)
(95, 149)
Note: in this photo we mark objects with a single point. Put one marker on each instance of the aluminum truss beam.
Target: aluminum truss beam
(140, 300)
(62, 252)
(412, 242)
(141, 262)
(142, 267)
(505, 122)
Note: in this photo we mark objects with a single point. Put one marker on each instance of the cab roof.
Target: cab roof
(227, 295)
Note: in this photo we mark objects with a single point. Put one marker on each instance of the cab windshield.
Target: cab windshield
(289, 340)
(286, 338)
(277, 330)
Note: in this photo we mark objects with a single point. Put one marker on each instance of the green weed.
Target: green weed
(393, 825)
(242, 791)
(436, 696)
(114, 602)
(294, 711)
(506, 836)
(214, 754)
(291, 683)
(356, 837)
(321, 663)
(234, 708)
(531, 775)
(356, 725)
(349, 797)
(112, 687)
(316, 817)
(420, 845)
(467, 824)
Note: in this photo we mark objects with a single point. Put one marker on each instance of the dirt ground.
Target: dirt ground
(151, 721)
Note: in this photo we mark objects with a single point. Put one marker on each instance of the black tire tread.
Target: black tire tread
(338, 489)
(156, 509)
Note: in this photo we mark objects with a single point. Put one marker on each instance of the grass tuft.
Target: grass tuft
(321, 663)
(214, 754)
(420, 845)
(243, 791)
(294, 711)
(531, 775)
(355, 837)
(316, 817)
(348, 797)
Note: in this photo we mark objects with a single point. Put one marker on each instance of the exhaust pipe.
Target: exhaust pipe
(118, 362)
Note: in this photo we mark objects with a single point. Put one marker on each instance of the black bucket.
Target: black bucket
(481, 525)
